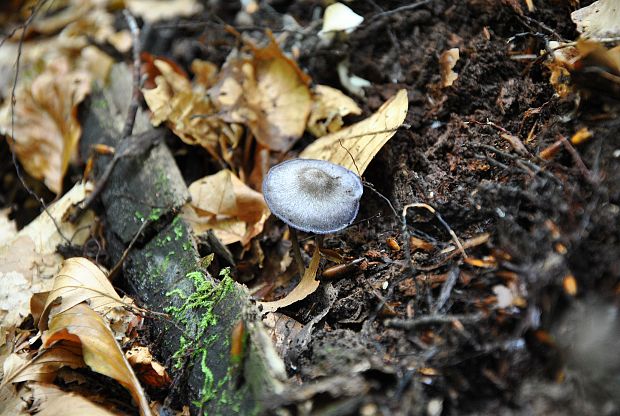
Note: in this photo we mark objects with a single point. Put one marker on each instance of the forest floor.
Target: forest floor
(527, 322)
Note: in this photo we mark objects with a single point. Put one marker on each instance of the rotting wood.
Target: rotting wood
(158, 271)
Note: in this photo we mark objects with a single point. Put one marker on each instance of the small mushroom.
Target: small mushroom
(311, 195)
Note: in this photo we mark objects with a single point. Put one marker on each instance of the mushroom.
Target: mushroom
(314, 196)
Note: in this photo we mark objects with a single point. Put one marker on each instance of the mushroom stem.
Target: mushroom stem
(296, 252)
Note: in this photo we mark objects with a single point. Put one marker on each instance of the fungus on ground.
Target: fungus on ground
(314, 196)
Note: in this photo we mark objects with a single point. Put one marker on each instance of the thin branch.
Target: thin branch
(430, 320)
(135, 94)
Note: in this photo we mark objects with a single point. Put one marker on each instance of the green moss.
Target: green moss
(204, 298)
(154, 215)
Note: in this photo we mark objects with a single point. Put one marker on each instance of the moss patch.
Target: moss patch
(197, 340)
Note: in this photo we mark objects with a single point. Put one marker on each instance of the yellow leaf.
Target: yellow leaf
(229, 207)
(80, 325)
(46, 129)
(329, 106)
(355, 146)
(307, 285)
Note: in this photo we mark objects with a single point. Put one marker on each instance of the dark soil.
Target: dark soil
(549, 222)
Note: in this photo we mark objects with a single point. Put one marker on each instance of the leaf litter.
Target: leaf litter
(213, 110)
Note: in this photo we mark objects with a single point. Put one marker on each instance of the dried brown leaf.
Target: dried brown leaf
(147, 369)
(267, 92)
(187, 109)
(329, 106)
(81, 326)
(28, 261)
(50, 400)
(224, 204)
(44, 366)
(307, 286)
(46, 129)
(355, 146)
(80, 280)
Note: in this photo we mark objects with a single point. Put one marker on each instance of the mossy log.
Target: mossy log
(163, 273)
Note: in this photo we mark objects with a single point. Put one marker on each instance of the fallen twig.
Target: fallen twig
(129, 122)
(431, 319)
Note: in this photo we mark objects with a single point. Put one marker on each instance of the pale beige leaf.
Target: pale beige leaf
(307, 285)
(600, 19)
(80, 280)
(8, 228)
(355, 146)
(46, 129)
(11, 404)
(80, 325)
(447, 61)
(29, 260)
(50, 400)
(329, 106)
(226, 204)
(152, 11)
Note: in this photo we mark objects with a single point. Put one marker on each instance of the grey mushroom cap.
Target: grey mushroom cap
(311, 195)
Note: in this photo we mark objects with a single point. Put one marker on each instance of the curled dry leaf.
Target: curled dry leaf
(81, 326)
(42, 367)
(267, 92)
(447, 61)
(600, 19)
(355, 146)
(147, 369)
(224, 204)
(329, 106)
(49, 400)
(46, 129)
(28, 261)
(80, 280)
(187, 109)
(307, 286)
